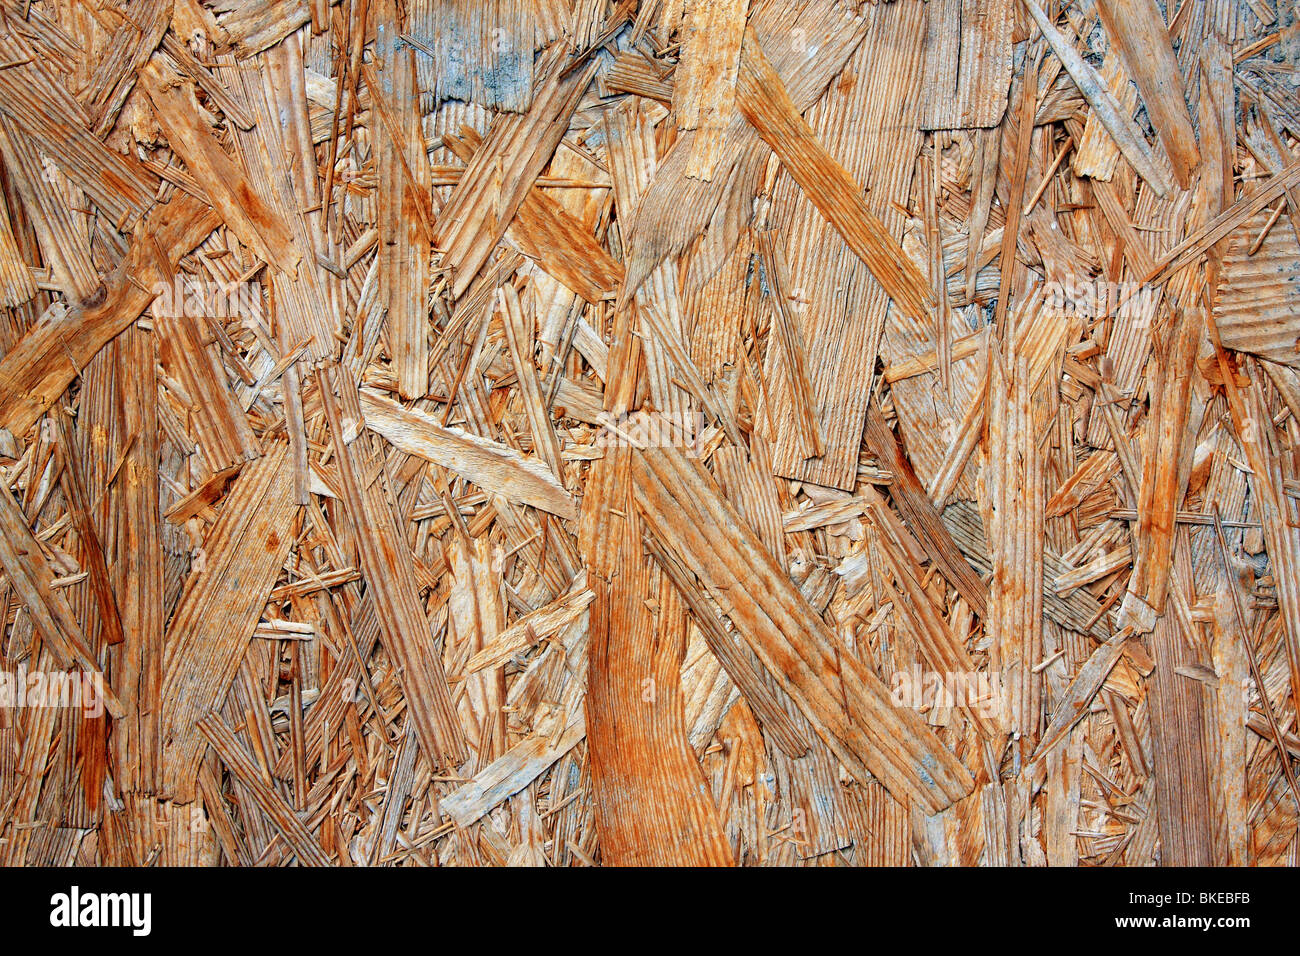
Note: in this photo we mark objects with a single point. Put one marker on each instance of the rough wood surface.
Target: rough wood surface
(632, 432)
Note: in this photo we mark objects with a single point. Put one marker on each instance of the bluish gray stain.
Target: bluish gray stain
(927, 764)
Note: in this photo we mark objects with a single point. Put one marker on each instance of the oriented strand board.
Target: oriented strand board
(649, 432)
